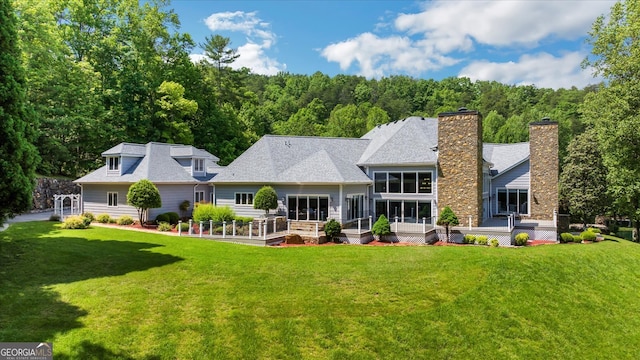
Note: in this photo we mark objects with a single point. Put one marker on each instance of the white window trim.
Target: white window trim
(110, 198)
(247, 193)
(507, 189)
(195, 196)
(196, 162)
(115, 169)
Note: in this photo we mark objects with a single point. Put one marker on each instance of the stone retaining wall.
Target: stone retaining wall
(47, 187)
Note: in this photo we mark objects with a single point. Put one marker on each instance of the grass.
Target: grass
(113, 294)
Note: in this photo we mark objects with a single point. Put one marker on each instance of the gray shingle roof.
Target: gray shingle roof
(156, 164)
(298, 159)
(505, 156)
(403, 142)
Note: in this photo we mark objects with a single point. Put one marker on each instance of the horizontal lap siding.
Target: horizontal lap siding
(517, 177)
(173, 195)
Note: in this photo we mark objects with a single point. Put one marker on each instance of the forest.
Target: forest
(101, 72)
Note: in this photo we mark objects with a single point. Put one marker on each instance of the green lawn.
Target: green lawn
(113, 294)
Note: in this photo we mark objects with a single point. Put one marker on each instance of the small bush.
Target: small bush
(125, 220)
(184, 227)
(206, 212)
(173, 217)
(243, 219)
(333, 229)
(577, 239)
(162, 218)
(494, 242)
(54, 217)
(588, 236)
(595, 230)
(522, 238)
(482, 239)
(88, 215)
(74, 222)
(381, 227)
(87, 220)
(103, 218)
(164, 226)
(566, 237)
(469, 239)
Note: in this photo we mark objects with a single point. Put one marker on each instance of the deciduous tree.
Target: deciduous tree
(144, 195)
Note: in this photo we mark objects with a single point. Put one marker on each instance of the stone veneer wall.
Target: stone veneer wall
(543, 149)
(47, 187)
(459, 181)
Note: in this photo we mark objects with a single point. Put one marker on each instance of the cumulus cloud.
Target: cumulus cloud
(542, 69)
(260, 39)
(440, 35)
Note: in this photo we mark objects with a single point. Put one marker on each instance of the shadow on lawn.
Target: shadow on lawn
(89, 350)
(30, 262)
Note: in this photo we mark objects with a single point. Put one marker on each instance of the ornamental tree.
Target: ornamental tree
(448, 218)
(143, 195)
(266, 198)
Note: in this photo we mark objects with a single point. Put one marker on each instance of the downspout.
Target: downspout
(213, 194)
(194, 195)
(81, 199)
(340, 205)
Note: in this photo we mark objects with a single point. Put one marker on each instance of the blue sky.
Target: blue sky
(539, 42)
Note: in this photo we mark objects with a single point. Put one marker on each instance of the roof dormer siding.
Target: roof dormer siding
(113, 166)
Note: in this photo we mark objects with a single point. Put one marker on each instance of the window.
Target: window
(244, 198)
(308, 207)
(408, 182)
(112, 199)
(113, 163)
(513, 201)
(408, 211)
(198, 165)
(199, 196)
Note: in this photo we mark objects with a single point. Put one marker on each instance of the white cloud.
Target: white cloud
(542, 69)
(435, 38)
(259, 39)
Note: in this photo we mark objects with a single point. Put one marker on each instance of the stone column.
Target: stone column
(543, 168)
(460, 163)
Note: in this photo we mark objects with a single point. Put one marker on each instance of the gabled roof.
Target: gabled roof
(298, 159)
(157, 164)
(505, 156)
(403, 142)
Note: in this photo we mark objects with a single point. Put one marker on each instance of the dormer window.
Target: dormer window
(113, 164)
(198, 165)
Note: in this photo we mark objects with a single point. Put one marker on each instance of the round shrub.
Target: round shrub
(381, 227)
(522, 238)
(173, 217)
(333, 229)
(588, 236)
(469, 239)
(494, 242)
(162, 218)
(125, 220)
(566, 238)
(88, 215)
(164, 226)
(74, 222)
(482, 239)
(577, 239)
(103, 218)
(184, 226)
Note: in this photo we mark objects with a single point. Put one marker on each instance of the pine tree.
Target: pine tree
(18, 156)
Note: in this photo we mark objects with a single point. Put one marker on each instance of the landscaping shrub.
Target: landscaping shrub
(266, 198)
(184, 226)
(223, 213)
(87, 220)
(89, 216)
(577, 239)
(595, 230)
(173, 217)
(588, 235)
(162, 218)
(469, 239)
(494, 242)
(381, 227)
(566, 237)
(54, 217)
(103, 218)
(243, 219)
(482, 239)
(203, 212)
(522, 238)
(74, 222)
(125, 220)
(333, 229)
(164, 226)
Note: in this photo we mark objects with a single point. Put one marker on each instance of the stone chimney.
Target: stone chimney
(459, 183)
(543, 168)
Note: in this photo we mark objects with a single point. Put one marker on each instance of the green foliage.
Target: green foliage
(521, 239)
(577, 238)
(183, 226)
(103, 218)
(54, 217)
(223, 213)
(447, 218)
(482, 239)
(588, 236)
(243, 219)
(173, 217)
(266, 198)
(494, 242)
(164, 217)
(469, 239)
(566, 237)
(18, 155)
(381, 227)
(74, 222)
(89, 216)
(595, 230)
(203, 212)
(333, 229)
(143, 195)
(164, 226)
(124, 220)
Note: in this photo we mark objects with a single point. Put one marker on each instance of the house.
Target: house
(180, 172)
(406, 170)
